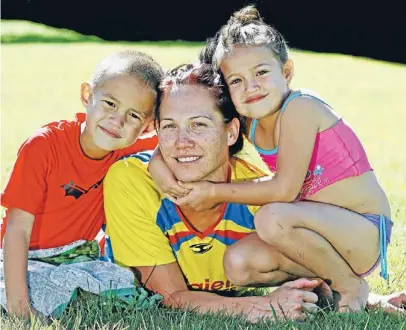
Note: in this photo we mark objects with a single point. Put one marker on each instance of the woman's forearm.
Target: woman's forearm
(204, 302)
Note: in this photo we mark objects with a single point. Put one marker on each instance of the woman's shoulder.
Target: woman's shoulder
(130, 176)
(133, 167)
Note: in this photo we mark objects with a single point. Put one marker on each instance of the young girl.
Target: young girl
(324, 208)
(54, 195)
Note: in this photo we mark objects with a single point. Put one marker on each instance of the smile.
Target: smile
(187, 159)
(110, 133)
(254, 99)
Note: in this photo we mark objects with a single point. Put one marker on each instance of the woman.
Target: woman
(178, 252)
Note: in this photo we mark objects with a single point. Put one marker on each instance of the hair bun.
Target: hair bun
(247, 14)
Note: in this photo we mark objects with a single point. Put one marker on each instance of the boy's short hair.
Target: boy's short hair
(128, 62)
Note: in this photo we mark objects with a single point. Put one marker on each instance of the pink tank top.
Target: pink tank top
(337, 154)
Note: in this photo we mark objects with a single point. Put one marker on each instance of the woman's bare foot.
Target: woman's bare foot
(353, 298)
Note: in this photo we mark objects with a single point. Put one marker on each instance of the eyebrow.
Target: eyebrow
(111, 96)
(191, 118)
(256, 66)
(131, 109)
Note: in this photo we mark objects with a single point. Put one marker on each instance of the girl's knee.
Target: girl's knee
(274, 221)
(236, 266)
(244, 264)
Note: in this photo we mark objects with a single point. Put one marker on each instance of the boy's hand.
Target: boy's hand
(170, 187)
(21, 309)
(202, 195)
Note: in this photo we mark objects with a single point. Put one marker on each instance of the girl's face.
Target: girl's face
(257, 81)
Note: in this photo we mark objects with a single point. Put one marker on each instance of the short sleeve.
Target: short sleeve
(131, 203)
(143, 143)
(27, 182)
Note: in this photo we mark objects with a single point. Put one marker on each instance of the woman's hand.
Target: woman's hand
(293, 300)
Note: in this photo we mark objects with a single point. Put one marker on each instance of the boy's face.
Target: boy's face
(117, 112)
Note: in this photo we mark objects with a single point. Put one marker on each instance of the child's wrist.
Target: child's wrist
(216, 193)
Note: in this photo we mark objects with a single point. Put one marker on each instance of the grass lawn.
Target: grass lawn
(41, 83)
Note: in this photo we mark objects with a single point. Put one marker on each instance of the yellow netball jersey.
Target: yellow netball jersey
(147, 229)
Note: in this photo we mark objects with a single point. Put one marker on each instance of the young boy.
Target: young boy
(54, 193)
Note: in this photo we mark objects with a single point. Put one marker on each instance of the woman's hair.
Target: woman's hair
(244, 28)
(128, 62)
(205, 76)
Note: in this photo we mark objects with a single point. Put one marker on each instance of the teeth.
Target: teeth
(187, 159)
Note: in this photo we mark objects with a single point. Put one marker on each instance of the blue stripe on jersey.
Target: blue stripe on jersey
(143, 156)
(225, 240)
(239, 214)
(167, 216)
(177, 245)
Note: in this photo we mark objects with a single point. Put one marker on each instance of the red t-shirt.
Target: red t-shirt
(54, 180)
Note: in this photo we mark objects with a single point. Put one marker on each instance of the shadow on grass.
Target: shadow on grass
(35, 38)
(21, 32)
(18, 31)
(38, 39)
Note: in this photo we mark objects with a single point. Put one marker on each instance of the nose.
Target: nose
(251, 85)
(117, 119)
(183, 140)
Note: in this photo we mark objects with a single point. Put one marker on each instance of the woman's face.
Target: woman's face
(193, 139)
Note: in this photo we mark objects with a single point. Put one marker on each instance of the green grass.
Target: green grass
(99, 314)
(40, 83)
(17, 31)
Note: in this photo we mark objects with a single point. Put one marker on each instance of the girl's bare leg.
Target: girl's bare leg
(329, 241)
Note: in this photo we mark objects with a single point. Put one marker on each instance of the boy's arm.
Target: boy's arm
(27, 182)
(16, 244)
(164, 178)
(23, 196)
